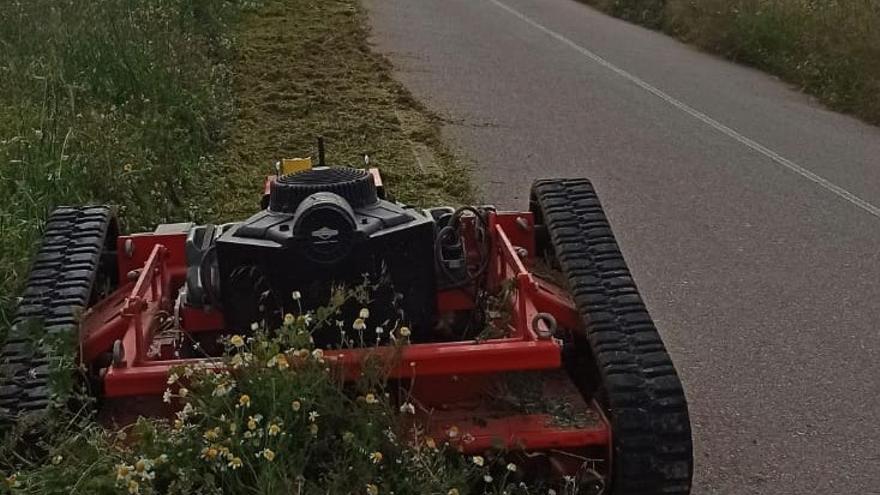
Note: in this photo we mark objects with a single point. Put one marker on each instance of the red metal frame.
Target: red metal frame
(154, 266)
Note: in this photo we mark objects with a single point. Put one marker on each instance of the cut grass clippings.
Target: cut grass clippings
(304, 70)
(830, 49)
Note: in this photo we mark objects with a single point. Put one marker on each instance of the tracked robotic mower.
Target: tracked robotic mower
(569, 370)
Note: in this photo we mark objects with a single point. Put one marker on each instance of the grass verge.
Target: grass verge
(105, 102)
(828, 49)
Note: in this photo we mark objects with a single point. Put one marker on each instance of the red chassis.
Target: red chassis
(452, 376)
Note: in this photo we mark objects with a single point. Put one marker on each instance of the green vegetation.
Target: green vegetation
(830, 49)
(275, 418)
(116, 101)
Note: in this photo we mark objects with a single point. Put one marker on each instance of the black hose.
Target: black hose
(453, 229)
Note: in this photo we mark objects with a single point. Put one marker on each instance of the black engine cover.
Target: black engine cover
(310, 240)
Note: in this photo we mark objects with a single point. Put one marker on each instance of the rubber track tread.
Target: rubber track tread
(58, 289)
(644, 397)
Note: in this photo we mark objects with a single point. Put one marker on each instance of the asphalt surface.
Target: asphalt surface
(747, 213)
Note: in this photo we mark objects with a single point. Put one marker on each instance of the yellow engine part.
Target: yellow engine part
(293, 165)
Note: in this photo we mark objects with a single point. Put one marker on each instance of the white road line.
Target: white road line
(684, 107)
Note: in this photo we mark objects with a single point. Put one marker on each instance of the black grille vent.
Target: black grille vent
(355, 185)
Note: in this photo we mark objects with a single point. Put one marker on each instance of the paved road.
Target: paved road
(748, 214)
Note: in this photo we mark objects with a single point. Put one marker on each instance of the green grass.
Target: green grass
(116, 101)
(830, 49)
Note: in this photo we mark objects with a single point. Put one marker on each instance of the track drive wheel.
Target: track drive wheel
(73, 268)
(630, 371)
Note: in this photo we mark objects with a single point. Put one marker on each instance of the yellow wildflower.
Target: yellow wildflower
(365, 313)
(133, 486)
(210, 453)
(244, 400)
(359, 324)
(237, 341)
(289, 320)
(234, 463)
(404, 332)
(452, 491)
(430, 443)
(172, 378)
(371, 399)
(511, 467)
(295, 405)
(452, 431)
(281, 362)
(274, 430)
(252, 423)
(212, 434)
(318, 354)
(376, 457)
(268, 455)
(11, 481)
(237, 361)
(478, 460)
(123, 471)
(372, 489)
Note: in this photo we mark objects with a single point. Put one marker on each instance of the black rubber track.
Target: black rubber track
(60, 286)
(640, 388)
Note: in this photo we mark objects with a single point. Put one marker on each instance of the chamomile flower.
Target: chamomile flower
(289, 320)
(238, 340)
(234, 463)
(364, 314)
(478, 460)
(123, 472)
(359, 324)
(296, 405)
(371, 399)
(244, 400)
(376, 457)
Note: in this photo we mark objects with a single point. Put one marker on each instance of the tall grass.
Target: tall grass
(115, 101)
(829, 48)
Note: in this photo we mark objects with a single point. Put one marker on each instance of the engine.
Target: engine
(324, 227)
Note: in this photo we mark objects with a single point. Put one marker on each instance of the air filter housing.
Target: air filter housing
(324, 227)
